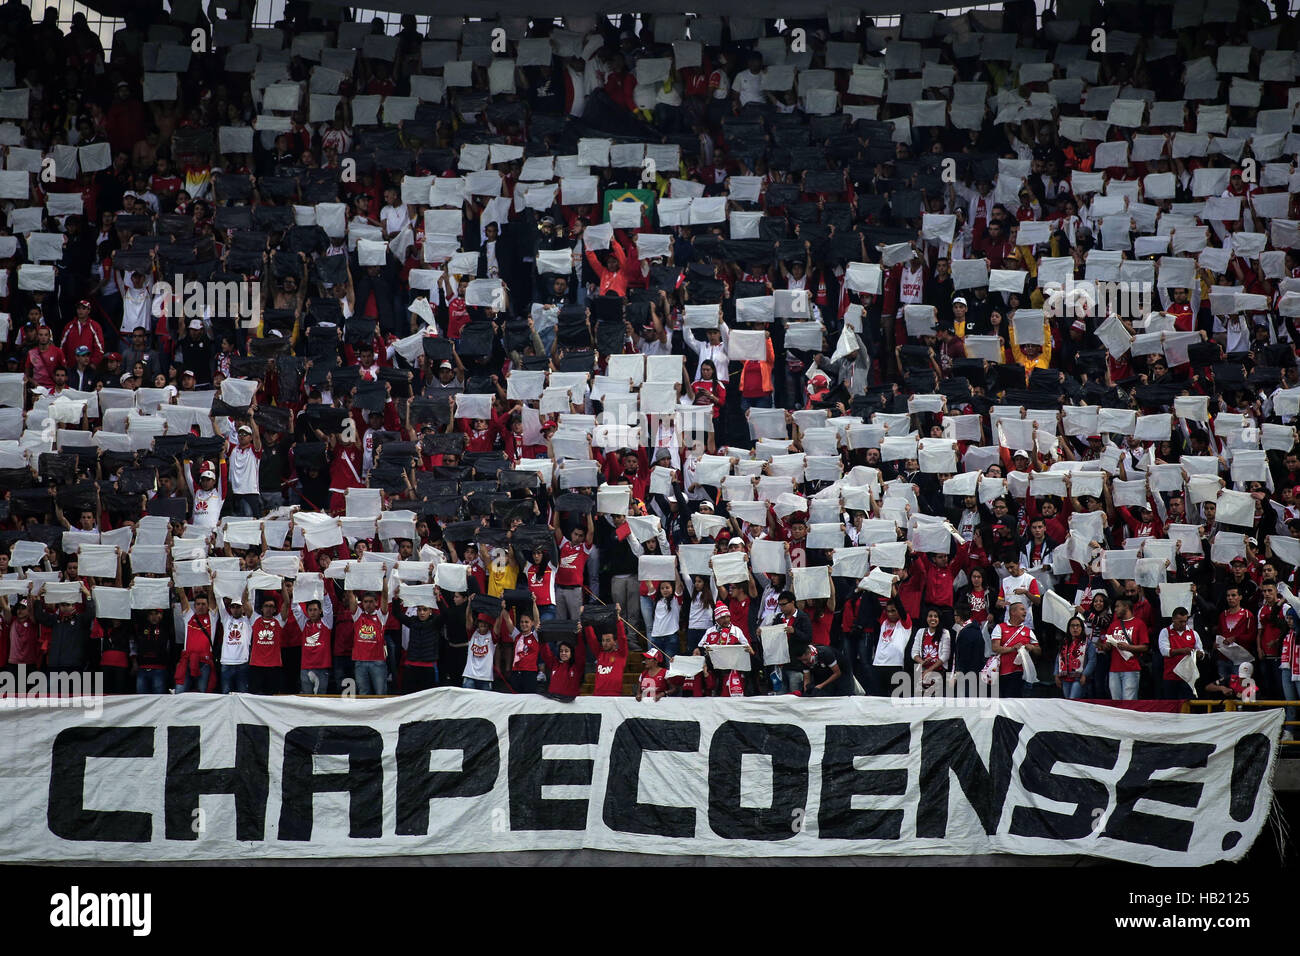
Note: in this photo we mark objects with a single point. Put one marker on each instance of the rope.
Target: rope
(645, 640)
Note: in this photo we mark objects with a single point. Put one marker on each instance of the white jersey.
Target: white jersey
(136, 305)
(478, 658)
(891, 648)
(242, 470)
(237, 638)
(207, 508)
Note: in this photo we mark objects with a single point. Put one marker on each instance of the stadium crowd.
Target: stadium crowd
(819, 360)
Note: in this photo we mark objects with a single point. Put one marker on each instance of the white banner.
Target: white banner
(459, 771)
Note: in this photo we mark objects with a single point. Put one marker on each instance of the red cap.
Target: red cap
(113, 357)
(720, 609)
(485, 617)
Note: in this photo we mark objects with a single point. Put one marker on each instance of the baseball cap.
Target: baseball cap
(654, 654)
(245, 428)
(126, 377)
(1079, 325)
(485, 617)
(1020, 453)
(113, 357)
(83, 350)
(84, 304)
(196, 323)
(208, 473)
(189, 372)
(960, 300)
(446, 364)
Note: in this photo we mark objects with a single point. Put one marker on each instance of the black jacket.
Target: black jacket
(968, 650)
(69, 640)
(426, 636)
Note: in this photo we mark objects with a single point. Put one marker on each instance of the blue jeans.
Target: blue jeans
(342, 672)
(547, 612)
(200, 683)
(1072, 689)
(234, 678)
(1124, 685)
(315, 681)
(747, 403)
(372, 677)
(151, 680)
(647, 612)
(1291, 691)
(470, 683)
(667, 643)
(693, 637)
(393, 641)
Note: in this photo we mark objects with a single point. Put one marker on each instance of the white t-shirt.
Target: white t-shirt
(207, 508)
(237, 637)
(478, 656)
(892, 646)
(394, 218)
(1009, 585)
(137, 304)
(666, 615)
(749, 86)
(242, 470)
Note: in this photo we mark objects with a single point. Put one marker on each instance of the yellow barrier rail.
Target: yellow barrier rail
(1231, 706)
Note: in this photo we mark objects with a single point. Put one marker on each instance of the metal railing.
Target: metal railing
(1231, 706)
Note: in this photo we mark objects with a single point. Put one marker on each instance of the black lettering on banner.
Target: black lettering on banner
(1249, 763)
(66, 813)
(841, 782)
(947, 747)
(790, 751)
(1045, 750)
(529, 771)
(248, 781)
(363, 781)
(475, 737)
(634, 737)
(1150, 829)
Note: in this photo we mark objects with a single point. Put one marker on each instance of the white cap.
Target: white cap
(208, 474)
(196, 323)
(1020, 453)
(245, 428)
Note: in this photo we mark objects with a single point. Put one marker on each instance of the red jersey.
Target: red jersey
(573, 564)
(317, 646)
(368, 641)
(1132, 631)
(1178, 640)
(457, 317)
(656, 687)
(268, 632)
(609, 664)
(527, 648)
(1238, 626)
(1012, 637)
(542, 584)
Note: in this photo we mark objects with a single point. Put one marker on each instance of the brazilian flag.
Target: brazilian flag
(645, 196)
